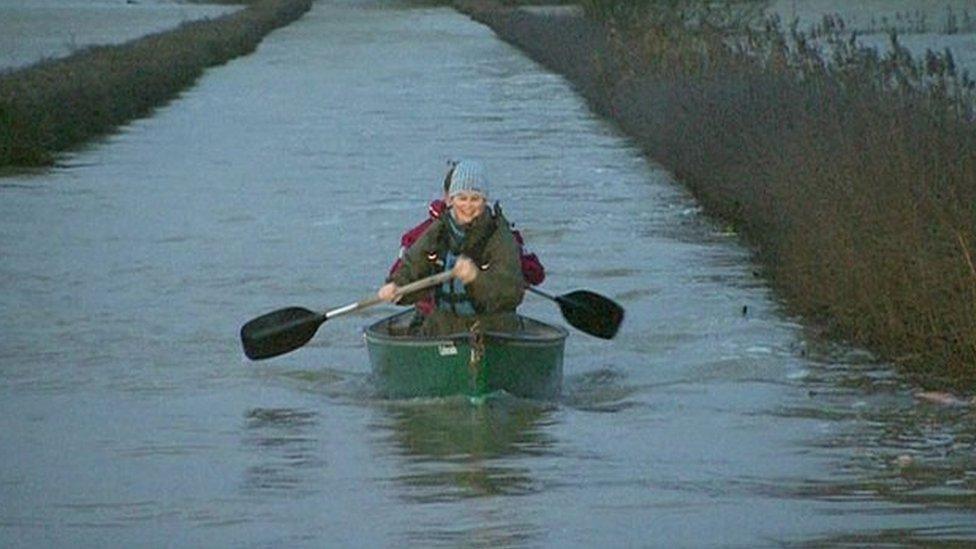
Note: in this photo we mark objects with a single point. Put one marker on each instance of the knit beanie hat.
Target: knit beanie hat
(468, 176)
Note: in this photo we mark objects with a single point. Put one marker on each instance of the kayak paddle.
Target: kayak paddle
(285, 330)
(588, 311)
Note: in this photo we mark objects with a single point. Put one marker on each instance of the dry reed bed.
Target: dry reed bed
(57, 104)
(852, 173)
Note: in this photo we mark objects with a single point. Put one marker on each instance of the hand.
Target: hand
(388, 292)
(465, 270)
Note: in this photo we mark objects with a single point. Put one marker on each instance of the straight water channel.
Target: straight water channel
(128, 415)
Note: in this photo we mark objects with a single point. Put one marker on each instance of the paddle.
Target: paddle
(590, 312)
(285, 330)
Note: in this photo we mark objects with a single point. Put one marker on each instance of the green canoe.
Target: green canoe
(527, 363)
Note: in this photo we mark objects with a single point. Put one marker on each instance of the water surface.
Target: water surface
(32, 30)
(128, 415)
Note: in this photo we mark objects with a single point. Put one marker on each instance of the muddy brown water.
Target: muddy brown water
(128, 415)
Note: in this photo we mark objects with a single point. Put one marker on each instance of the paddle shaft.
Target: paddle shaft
(535, 290)
(421, 284)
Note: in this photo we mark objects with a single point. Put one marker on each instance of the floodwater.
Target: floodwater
(32, 30)
(921, 24)
(876, 14)
(129, 416)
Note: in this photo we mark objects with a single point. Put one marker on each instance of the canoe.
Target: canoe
(527, 363)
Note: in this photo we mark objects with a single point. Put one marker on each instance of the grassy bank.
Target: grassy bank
(853, 173)
(57, 104)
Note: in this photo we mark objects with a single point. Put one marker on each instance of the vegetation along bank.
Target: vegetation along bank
(850, 171)
(56, 104)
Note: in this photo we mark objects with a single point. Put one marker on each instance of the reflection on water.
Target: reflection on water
(456, 450)
(907, 537)
(452, 450)
(884, 445)
(284, 442)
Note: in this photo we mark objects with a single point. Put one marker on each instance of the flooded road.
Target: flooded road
(128, 415)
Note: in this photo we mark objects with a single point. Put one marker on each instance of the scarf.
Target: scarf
(452, 296)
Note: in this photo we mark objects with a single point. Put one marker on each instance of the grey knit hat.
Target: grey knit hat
(468, 175)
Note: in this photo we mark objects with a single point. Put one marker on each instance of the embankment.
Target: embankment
(855, 185)
(58, 104)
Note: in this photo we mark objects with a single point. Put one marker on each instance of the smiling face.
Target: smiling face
(465, 206)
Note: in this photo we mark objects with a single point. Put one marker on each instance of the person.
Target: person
(532, 269)
(476, 244)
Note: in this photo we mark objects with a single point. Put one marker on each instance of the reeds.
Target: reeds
(851, 171)
(57, 104)
(917, 22)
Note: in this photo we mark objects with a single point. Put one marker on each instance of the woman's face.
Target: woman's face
(466, 206)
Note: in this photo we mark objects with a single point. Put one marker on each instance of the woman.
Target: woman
(532, 269)
(475, 244)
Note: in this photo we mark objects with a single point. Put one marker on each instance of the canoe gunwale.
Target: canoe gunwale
(376, 332)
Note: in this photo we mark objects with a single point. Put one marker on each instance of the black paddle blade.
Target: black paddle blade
(279, 332)
(592, 313)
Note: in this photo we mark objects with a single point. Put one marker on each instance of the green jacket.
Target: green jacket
(499, 286)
